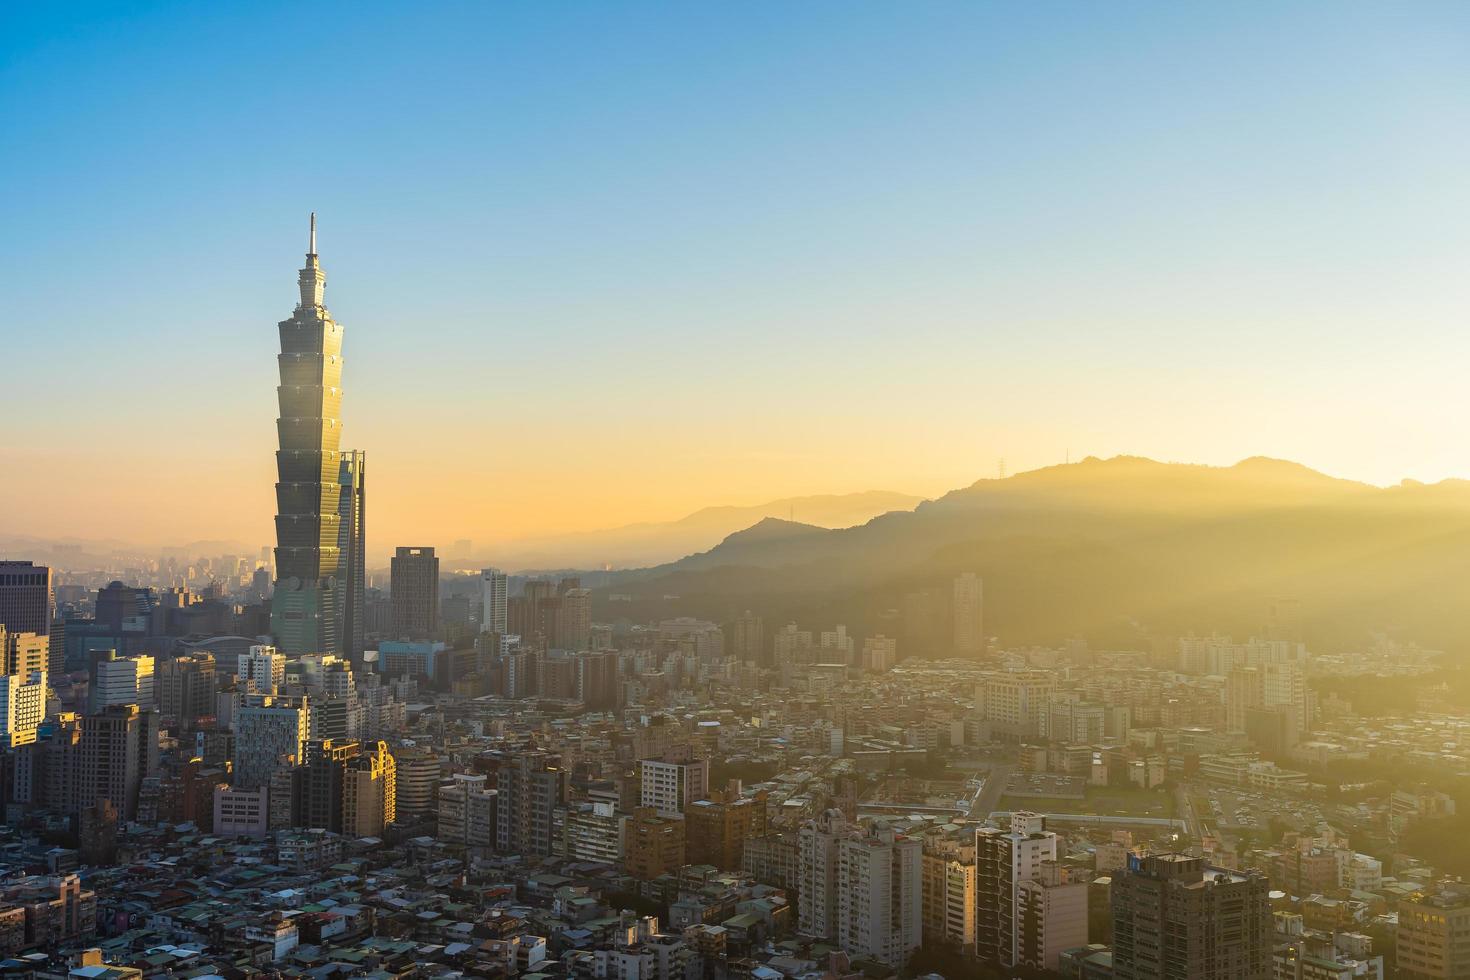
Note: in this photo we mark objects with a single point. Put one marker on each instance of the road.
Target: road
(990, 793)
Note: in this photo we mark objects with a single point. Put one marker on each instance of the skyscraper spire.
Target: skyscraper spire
(312, 249)
(311, 278)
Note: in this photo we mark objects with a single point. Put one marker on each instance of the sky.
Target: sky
(613, 262)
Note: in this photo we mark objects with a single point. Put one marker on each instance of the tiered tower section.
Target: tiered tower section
(309, 601)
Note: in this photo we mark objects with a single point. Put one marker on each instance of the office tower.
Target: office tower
(352, 540)
(119, 606)
(653, 844)
(467, 813)
(1051, 917)
(879, 902)
(262, 670)
(968, 606)
(25, 597)
(270, 733)
(949, 892)
(493, 598)
(1433, 937)
(22, 707)
(748, 642)
(307, 604)
(880, 653)
(529, 787)
(122, 680)
(21, 653)
(1003, 860)
(369, 792)
(415, 593)
(119, 747)
(1176, 917)
(186, 688)
(335, 711)
(716, 828)
(669, 787)
(418, 776)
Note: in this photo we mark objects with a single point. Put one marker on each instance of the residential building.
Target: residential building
(270, 733)
(670, 787)
(968, 608)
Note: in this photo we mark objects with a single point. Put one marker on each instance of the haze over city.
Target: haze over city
(815, 491)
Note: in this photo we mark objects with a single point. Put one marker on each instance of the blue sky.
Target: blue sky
(608, 262)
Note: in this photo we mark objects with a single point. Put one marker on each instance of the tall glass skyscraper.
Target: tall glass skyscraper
(309, 606)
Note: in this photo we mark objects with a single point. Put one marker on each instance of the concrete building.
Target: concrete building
(21, 653)
(122, 680)
(119, 748)
(1176, 917)
(968, 608)
(1014, 702)
(670, 787)
(270, 733)
(467, 814)
(415, 593)
(241, 812)
(1003, 860)
(716, 828)
(369, 792)
(1051, 917)
(186, 688)
(493, 599)
(529, 787)
(879, 905)
(880, 653)
(653, 844)
(25, 597)
(817, 902)
(22, 707)
(948, 892)
(262, 670)
(1434, 937)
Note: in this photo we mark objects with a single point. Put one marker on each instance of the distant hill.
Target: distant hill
(637, 545)
(1116, 550)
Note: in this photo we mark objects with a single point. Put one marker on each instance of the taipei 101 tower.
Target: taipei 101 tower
(316, 606)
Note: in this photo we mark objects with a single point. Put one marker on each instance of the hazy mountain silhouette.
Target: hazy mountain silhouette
(1111, 548)
(636, 545)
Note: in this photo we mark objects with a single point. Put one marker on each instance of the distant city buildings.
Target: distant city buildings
(968, 609)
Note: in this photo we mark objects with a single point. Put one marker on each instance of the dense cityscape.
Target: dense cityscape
(287, 764)
(839, 490)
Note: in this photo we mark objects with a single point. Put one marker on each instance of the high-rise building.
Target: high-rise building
(122, 680)
(1268, 685)
(186, 689)
(352, 539)
(21, 653)
(1014, 702)
(1003, 860)
(529, 787)
(670, 787)
(1176, 917)
(597, 679)
(270, 733)
(949, 892)
(308, 602)
(263, 670)
(1051, 917)
(415, 593)
(369, 792)
(880, 653)
(467, 812)
(119, 748)
(748, 644)
(418, 777)
(493, 599)
(716, 828)
(25, 597)
(323, 790)
(22, 707)
(968, 607)
(862, 887)
(1433, 937)
(879, 901)
(653, 844)
(573, 625)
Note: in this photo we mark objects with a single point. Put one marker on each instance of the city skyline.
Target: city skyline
(890, 282)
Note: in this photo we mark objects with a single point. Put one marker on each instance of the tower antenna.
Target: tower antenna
(312, 250)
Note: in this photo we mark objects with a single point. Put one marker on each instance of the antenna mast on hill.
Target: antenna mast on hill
(1001, 468)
